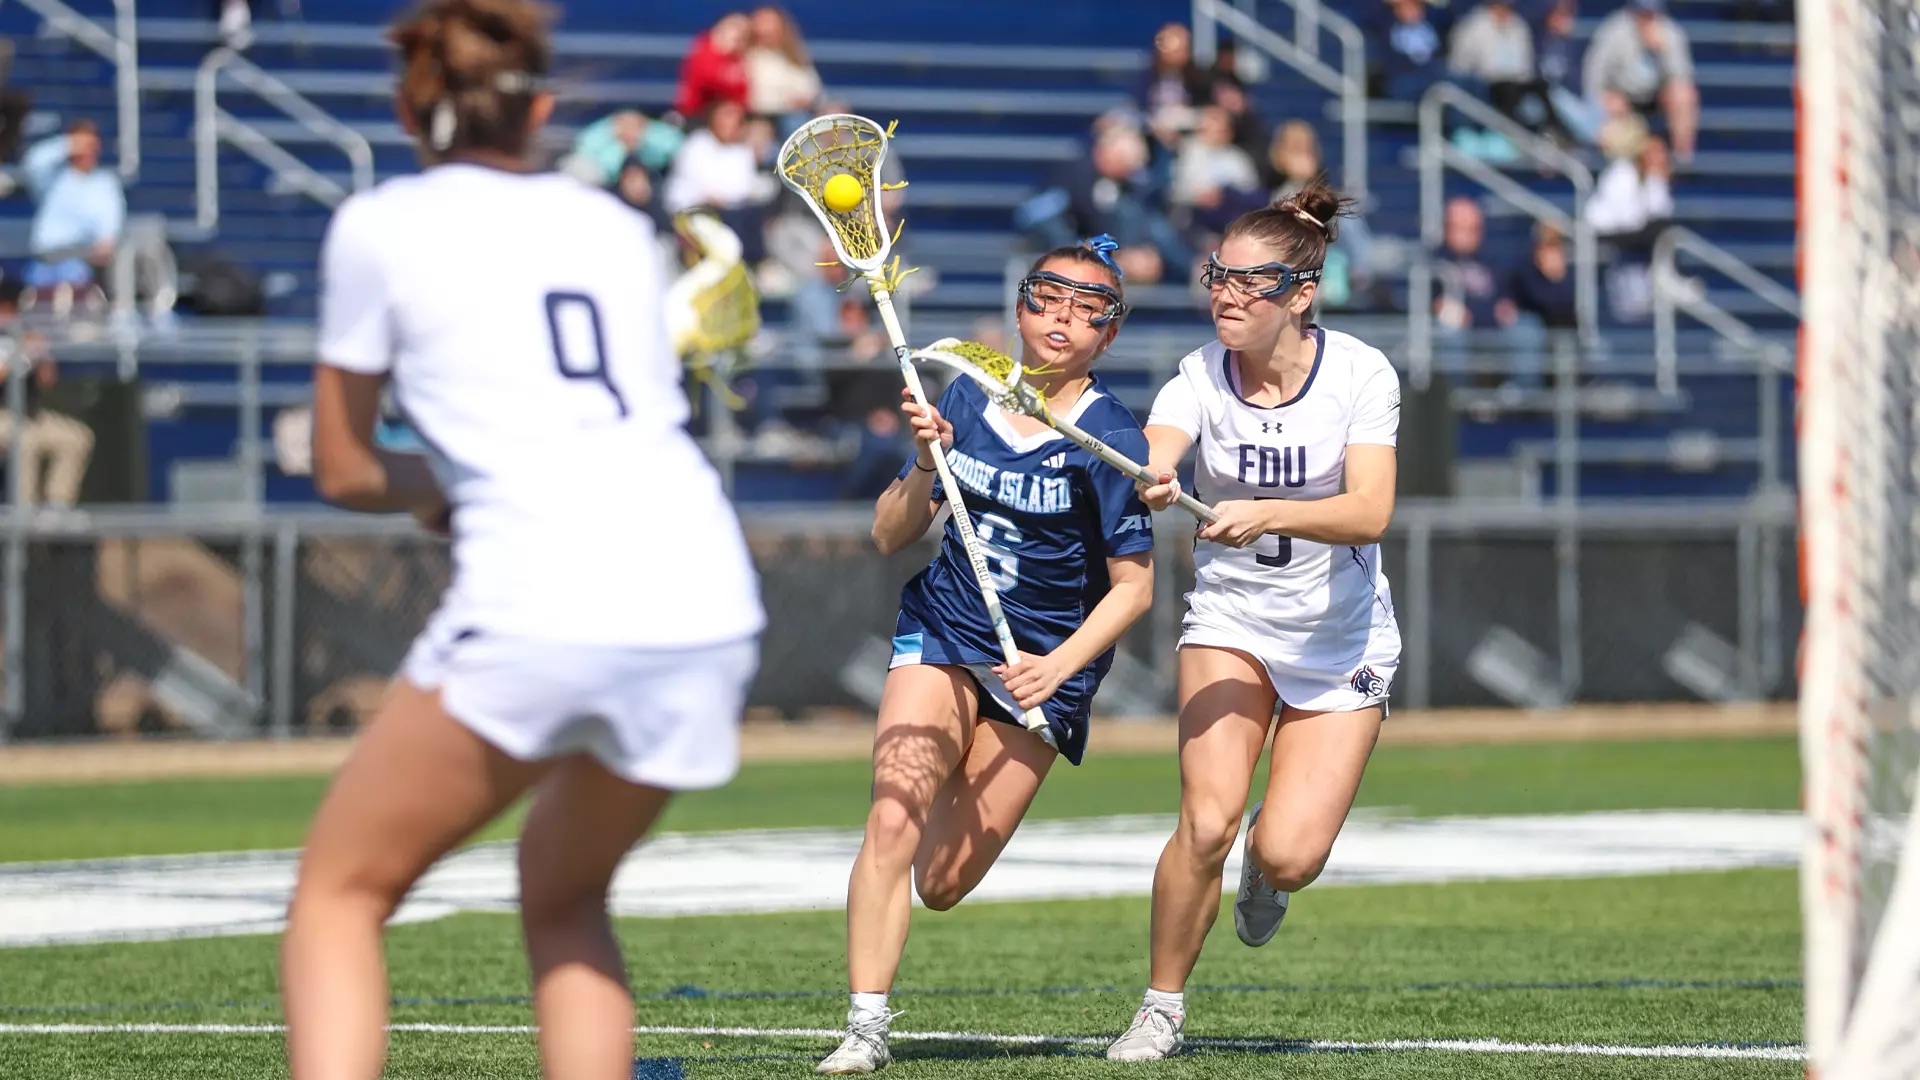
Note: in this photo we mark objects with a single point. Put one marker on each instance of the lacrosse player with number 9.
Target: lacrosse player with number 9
(1295, 427)
(1068, 542)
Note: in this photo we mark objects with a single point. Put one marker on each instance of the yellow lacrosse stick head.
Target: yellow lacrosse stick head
(815, 158)
(997, 373)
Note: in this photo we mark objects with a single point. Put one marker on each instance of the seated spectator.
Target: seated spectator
(1214, 181)
(782, 84)
(1642, 55)
(1557, 58)
(1631, 204)
(715, 69)
(1250, 131)
(81, 209)
(50, 449)
(1174, 88)
(1350, 277)
(603, 148)
(1494, 46)
(1472, 297)
(1543, 294)
(717, 167)
(1410, 62)
(15, 104)
(1110, 192)
(883, 445)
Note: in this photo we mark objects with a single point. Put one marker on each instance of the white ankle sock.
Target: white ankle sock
(867, 1005)
(1175, 1002)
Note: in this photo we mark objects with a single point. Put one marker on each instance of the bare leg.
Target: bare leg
(927, 716)
(416, 785)
(1226, 706)
(583, 822)
(977, 811)
(1318, 759)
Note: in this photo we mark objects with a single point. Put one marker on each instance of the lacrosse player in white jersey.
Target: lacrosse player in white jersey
(595, 645)
(1295, 427)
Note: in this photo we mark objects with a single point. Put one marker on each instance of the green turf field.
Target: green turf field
(1675, 960)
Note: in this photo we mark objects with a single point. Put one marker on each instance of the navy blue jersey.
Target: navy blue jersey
(1048, 515)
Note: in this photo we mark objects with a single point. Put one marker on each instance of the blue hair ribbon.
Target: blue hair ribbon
(1103, 247)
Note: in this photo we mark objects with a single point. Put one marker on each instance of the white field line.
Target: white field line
(1464, 1046)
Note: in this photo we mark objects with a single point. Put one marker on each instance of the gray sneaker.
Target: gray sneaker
(1155, 1034)
(864, 1049)
(1258, 909)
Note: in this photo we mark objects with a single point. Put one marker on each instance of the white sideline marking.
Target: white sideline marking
(1463, 1046)
(183, 896)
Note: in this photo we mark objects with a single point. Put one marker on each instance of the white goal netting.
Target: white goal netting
(1859, 96)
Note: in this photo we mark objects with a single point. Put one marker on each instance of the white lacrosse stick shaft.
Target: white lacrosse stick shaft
(1034, 720)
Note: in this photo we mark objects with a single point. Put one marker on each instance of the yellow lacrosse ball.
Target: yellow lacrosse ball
(842, 193)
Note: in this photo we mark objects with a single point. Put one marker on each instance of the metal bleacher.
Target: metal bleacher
(982, 125)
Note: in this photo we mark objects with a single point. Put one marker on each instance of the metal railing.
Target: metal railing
(121, 46)
(214, 125)
(1302, 54)
(1437, 155)
(1669, 300)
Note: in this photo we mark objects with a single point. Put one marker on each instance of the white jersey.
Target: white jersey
(520, 319)
(1321, 605)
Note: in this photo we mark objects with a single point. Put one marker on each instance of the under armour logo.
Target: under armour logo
(1056, 461)
(1271, 427)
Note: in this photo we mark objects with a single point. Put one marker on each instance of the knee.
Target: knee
(893, 829)
(357, 893)
(547, 899)
(1289, 863)
(1207, 833)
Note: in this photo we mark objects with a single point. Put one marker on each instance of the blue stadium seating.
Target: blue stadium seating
(991, 99)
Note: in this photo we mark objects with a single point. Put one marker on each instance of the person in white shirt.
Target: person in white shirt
(1295, 427)
(596, 643)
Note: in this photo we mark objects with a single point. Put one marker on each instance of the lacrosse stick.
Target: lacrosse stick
(823, 150)
(1000, 376)
(713, 309)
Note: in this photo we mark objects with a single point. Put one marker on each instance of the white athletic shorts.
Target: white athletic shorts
(1357, 682)
(666, 718)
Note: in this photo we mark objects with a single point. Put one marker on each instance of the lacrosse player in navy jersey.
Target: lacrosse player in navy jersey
(1068, 542)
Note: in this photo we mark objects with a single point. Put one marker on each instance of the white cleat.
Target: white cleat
(1258, 909)
(864, 1050)
(1155, 1035)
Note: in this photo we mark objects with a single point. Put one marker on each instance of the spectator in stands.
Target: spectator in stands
(15, 104)
(1250, 131)
(51, 450)
(1112, 193)
(1174, 87)
(1557, 57)
(782, 83)
(1543, 296)
(1632, 203)
(717, 167)
(1214, 181)
(637, 189)
(603, 148)
(1494, 46)
(82, 209)
(876, 461)
(1642, 55)
(1410, 60)
(1350, 277)
(1472, 297)
(715, 69)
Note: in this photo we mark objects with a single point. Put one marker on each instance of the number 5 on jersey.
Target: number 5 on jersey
(580, 342)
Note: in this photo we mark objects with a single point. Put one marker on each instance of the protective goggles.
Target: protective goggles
(1264, 280)
(1043, 291)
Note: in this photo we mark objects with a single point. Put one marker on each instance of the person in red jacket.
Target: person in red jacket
(715, 69)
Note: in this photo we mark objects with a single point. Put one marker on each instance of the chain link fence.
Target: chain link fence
(294, 624)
